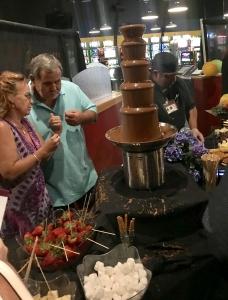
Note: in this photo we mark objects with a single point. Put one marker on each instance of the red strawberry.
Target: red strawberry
(28, 248)
(48, 260)
(41, 249)
(50, 237)
(54, 258)
(58, 231)
(69, 226)
(28, 242)
(61, 237)
(38, 230)
(79, 227)
(79, 239)
(50, 226)
(28, 237)
(72, 239)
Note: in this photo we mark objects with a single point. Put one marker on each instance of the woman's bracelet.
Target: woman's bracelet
(36, 157)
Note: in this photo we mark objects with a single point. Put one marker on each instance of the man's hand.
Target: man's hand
(74, 117)
(197, 134)
(55, 123)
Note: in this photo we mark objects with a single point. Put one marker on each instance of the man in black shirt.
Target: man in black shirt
(225, 73)
(172, 95)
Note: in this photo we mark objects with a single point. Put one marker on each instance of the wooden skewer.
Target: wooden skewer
(102, 231)
(132, 225)
(55, 246)
(97, 243)
(45, 226)
(70, 220)
(83, 208)
(39, 266)
(65, 251)
(87, 206)
(22, 268)
(30, 260)
(120, 224)
(125, 223)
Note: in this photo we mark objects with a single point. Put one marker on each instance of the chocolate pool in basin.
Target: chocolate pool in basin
(140, 135)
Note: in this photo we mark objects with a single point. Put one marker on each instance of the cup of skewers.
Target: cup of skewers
(126, 228)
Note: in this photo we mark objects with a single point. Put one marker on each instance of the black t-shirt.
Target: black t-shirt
(179, 93)
(225, 75)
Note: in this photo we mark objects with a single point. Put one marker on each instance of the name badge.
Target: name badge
(170, 106)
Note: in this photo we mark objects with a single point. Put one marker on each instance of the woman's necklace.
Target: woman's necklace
(20, 127)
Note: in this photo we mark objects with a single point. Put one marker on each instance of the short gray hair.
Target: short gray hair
(44, 61)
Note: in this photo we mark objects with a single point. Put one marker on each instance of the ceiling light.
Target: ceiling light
(149, 16)
(105, 27)
(155, 28)
(225, 14)
(94, 31)
(171, 25)
(176, 7)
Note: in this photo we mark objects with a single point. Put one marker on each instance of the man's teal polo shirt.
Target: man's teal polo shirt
(69, 173)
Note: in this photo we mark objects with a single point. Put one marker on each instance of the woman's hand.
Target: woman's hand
(55, 123)
(49, 146)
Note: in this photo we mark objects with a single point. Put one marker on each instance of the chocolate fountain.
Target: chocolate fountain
(140, 135)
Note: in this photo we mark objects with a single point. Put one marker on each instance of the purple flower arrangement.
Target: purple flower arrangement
(185, 148)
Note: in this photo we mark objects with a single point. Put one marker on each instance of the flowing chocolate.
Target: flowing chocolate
(139, 115)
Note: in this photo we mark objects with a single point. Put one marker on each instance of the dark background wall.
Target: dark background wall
(91, 13)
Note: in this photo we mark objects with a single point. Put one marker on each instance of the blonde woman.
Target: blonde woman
(21, 152)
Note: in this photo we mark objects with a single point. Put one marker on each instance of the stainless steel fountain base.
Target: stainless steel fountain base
(144, 170)
(143, 161)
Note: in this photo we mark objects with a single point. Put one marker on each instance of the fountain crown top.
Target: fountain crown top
(132, 31)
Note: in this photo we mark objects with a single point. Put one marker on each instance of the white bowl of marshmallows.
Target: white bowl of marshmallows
(116, 275)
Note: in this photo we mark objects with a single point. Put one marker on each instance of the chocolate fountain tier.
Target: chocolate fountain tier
(135, 70)
(132, 32)
(167, 133)
(133, 50)
(139, 124)
(140, 94)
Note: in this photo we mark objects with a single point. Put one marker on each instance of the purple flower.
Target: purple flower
(173, 153)
(181, 138)
(185, 138)
(187, 149)
(196, 174)
(198, 150)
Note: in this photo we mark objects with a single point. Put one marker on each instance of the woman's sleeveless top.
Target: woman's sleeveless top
(28, 202)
